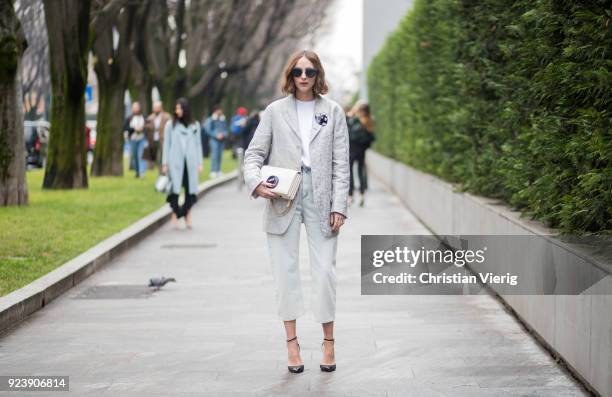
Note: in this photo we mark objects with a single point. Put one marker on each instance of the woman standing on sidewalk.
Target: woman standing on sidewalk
(306, 132)
(182, 160)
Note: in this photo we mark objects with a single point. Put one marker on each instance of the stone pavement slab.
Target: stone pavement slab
(215, 331)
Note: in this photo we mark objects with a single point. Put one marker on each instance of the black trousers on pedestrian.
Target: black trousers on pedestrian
(154, 152)
(190, 199)
(357, 155)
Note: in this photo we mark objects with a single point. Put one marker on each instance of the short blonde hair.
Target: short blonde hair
(287, 84)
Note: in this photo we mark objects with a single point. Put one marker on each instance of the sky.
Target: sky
(340, 49)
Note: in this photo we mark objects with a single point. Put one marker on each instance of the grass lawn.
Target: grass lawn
(58, 225)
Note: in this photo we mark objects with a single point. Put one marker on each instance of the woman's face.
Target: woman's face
(178, 110)
(303, 83)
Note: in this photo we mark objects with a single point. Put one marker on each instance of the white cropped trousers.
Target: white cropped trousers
(284, 259)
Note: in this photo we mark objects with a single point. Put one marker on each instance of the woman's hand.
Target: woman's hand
(263, 190)
(336, 220)
(165, 169)
(200, 168)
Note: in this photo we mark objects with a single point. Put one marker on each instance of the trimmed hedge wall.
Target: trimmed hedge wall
(509, 99)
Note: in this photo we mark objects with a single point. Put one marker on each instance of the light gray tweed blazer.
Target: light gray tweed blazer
(277, 139)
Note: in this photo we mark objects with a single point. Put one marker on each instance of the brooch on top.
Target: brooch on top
(321, 118)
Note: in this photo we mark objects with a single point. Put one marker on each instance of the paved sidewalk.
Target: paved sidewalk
(215, 332)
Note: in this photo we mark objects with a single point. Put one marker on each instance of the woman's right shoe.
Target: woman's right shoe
(296, 369)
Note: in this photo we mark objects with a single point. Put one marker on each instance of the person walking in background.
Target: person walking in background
(249, 128)
(215, 127)
(306, 132)
(155, 127)
(133, 129)
(237, 125)
(361, 135)
(89, 145)
(182, 160)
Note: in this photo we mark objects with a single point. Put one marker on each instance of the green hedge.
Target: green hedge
(509, 99)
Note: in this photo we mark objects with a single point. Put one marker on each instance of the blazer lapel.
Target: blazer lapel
(316, 127)
(290, 115)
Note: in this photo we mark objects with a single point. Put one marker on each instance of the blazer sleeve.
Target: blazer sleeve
(340, 163)
(167, 142)
(257, 152)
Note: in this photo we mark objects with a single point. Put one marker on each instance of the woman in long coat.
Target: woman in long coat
(182, 159)
(305, 132)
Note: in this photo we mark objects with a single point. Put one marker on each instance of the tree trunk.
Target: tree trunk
(68, 31)
(169, 91)
(144, 92)
(112, 67)
(13, 187)
(141, 91)
(141, 82)
(108, 156)
(141, 87)
(200, 108)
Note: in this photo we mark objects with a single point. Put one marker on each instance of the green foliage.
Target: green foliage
(508, 99)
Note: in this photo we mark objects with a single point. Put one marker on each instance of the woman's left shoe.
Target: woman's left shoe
(174, 221)
(327, 367)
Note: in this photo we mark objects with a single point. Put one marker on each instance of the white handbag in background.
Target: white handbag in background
(285, 181)
(163, 184)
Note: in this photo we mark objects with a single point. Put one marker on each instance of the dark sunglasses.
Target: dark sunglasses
(310, 72)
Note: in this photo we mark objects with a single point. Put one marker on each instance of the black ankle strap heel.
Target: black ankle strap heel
(296, 369)
(327, 367)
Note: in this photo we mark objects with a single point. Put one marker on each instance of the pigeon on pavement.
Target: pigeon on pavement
(157, 283)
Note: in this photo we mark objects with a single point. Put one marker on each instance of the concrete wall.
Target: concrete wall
(379, 19)
(578, 328)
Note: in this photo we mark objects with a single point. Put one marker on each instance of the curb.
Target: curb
(19, 304)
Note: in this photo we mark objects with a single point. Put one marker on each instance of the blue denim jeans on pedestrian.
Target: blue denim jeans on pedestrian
(216, 151)
(136, 150)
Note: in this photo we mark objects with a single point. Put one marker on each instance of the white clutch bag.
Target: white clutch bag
(163, 184)
(285, 181)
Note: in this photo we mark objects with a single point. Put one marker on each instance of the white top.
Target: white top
(305, 112)
(157, 124)
(137, 123)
